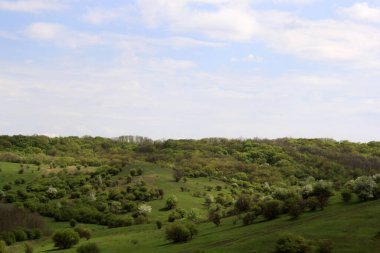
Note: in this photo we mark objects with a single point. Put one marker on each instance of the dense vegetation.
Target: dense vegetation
(178, 184)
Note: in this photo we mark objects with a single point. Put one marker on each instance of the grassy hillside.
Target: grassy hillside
(352, 227)
(103, 184)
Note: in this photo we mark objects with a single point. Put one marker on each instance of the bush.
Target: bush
(292, 244)
(65, 239)
(8, 237)
(177, 214)
(180, 233)
(249, 218)
(88, 248)
(83, 232)
(20, 235)
(324, 246)
(73, 223)
(296, 209)
(312, 203)
(272, 209)
(28, 248)
(114, 221)
(346, 196)
(243, 204)
(159, 224)
(3, 247)
(171, 202)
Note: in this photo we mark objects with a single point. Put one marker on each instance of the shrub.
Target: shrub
(8, 237)
(292, 244)
(7, 187)
(346, 196)
(171, 202)
(322, 191)
(363, 187)
(243, 203)
(324, 246)
(88, 248)
(37, 234)
(83, 232)
(177, 214)
(180, 233)
(114, 221)
(73, 223)
(20, 235)
(272, 209)
(249, 218)
(28, 248)
(178, 174)
(33, 234)
(296, 209)
(3, 247)
(65, 239)
(312, 203)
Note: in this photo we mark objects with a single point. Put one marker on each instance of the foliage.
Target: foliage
(28, 248)
(65, 239)
(83, 232)
(272, 209)
(364, 187)
(159, 224)
(178, 232)
(171, 202)
(324, 246)
(249, 218)
(292, 244)
(88, 248)
(73, 223)
(3, 247)
(346, 195)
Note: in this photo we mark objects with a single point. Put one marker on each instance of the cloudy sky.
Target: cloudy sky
(191, 68)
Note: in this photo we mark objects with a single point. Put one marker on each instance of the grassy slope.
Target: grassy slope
(352, 227)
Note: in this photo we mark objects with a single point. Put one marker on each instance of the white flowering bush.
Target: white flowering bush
(144, 209)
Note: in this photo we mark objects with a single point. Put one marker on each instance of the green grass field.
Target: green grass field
(351, 227)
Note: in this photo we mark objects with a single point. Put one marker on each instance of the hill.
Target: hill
(120, 187)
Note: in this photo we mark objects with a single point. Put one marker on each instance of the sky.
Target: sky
(191, 68)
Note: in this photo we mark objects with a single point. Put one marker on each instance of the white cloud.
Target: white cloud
(103, 15)
(362, 12)
(248, 58)
(100, 16)
(227, 20)
(60, 35)
(333, 41)
(32, 5)
(297, 2)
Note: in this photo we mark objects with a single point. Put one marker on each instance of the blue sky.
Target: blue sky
(191, 68)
